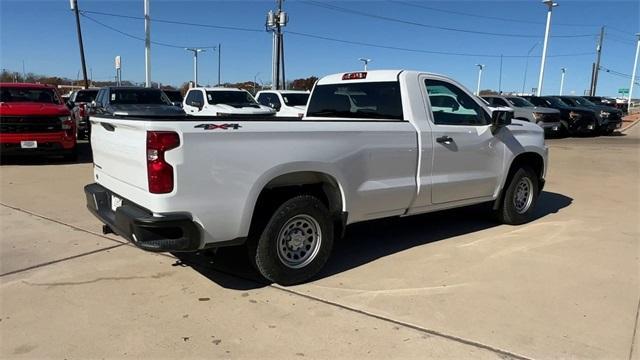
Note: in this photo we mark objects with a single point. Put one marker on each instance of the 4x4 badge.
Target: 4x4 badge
(219, 126)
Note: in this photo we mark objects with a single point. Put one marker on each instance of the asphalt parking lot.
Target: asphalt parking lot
(451, 284)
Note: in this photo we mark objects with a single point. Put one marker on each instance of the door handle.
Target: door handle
(108, 126)
(444, 140)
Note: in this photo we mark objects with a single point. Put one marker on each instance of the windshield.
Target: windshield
(174, 95)
(519, 102)
(86, 96)
(295, 99)
(48, 96)
(234, 98)
(555, 102)
(138, 96)
(584, 102)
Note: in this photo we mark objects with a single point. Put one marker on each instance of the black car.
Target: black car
(134, 101)
(78, 103)
(175, 96)
(609, 118)
(601, 100)
(574, 120)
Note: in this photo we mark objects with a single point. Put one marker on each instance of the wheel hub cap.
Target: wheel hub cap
(299, 240)
(523, 195)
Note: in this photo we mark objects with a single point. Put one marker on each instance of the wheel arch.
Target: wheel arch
(284, 185)
(528, 158)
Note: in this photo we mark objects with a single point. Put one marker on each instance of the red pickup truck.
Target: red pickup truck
(33, 119)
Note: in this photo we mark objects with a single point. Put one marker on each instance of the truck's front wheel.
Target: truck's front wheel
(295, 243)
(519, 198)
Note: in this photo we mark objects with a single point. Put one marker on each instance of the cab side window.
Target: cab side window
(450, 105)
(195, 96)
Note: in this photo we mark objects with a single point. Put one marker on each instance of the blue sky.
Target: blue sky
(42, 33)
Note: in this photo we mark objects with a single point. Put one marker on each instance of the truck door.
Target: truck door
(467, 158)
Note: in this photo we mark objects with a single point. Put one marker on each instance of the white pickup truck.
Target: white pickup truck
(202, 101)
(371, 145)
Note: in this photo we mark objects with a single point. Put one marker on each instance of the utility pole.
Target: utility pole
(74, 8)
(596, 67)
(500, 78)
(550, 5)
(195, 63)
(526, 65)
(219, 61)
(147, 45)
(562, 80)
(275, 22)
(366, 62)
(633, 73)
(480, 67)
(118, 63)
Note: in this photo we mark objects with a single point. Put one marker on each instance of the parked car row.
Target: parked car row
(562, 115)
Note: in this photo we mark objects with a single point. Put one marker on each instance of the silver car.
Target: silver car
(546, 118)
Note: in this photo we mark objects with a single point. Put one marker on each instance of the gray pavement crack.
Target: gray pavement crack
(60, 260)
(61, 223)
(635, 329)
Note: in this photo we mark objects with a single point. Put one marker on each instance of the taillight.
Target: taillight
(159, 172)
(82, 110)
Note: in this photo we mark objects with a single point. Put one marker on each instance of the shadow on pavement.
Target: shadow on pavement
(366, 242)
(38, 159)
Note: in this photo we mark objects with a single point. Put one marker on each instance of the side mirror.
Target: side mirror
(500, 118)
(197, 104)
(276, 107)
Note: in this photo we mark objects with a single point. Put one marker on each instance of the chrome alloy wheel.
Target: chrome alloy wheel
(523, 195)
(299, 240)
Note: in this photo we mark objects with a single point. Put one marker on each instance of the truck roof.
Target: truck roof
(371, 76)
(215, 88)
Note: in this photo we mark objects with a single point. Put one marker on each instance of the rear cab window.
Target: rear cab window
(357, 101)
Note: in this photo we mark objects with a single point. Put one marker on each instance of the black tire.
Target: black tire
(263, 246)
(508, 212)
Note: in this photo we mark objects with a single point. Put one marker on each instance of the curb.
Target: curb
(629, 126)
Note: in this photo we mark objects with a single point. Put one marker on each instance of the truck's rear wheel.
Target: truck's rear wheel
(519, 198)
(295, 243)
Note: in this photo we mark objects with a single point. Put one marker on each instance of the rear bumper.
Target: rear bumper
(174, 232)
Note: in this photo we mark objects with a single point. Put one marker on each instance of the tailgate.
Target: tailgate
(119, 151)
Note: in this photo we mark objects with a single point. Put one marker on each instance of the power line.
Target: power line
(315, 36)
(519, 21)
(613, 72)
(234, 28)
(137, 37)
(388, 47)
(407, 22)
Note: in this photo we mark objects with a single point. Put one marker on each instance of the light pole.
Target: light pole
(562, 79)
(633, 73)
(480, 67)
(147, 45)
(526, 66)
(195, 63)
(366, 62)
(255, 77)
(550, 5)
